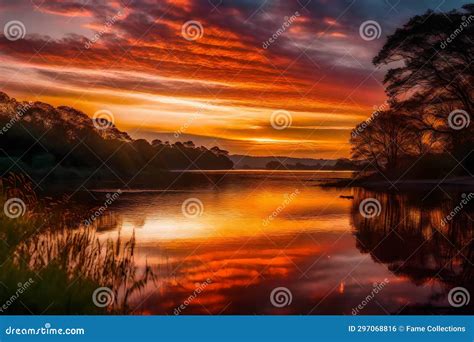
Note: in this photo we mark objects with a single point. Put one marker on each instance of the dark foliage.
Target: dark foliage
(429, 84)
(64, 143)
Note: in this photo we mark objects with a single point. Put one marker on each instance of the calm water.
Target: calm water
(228, 259)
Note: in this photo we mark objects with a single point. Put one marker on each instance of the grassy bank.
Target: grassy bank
(52, 264)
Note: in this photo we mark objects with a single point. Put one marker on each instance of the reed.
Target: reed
(66, 260)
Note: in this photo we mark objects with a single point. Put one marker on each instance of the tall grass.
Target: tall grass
(66, 260)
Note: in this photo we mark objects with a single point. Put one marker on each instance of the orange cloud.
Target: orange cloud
(153, 78)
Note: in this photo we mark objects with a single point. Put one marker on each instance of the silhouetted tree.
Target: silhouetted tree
(63, 142)
(274, 165)
(434, 54)
(156, 142)
(431, 77)
(383, 141)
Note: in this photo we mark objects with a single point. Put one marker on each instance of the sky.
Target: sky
(209, 71)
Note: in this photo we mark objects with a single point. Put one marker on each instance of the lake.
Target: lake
(274, 242)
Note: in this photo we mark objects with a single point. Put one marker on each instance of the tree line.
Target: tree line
(63, 143)
(425, 128)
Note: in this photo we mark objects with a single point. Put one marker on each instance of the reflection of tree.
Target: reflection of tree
(408, 236)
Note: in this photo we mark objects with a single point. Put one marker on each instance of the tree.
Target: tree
(432, 63)
(383, 141)
(189, 144)
(156, 142)
(274, 165)
(101, 155)
(431, 80)
(434, 74)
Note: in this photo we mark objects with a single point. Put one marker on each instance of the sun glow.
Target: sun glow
(225, 81)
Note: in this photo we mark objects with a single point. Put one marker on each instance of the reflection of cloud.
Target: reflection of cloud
(309, 249)
(243, 277)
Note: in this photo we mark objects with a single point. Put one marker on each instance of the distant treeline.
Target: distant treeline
(63, 143)
(341, 164)
(425, 129)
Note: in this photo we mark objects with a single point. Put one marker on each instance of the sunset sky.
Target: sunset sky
(219, 89)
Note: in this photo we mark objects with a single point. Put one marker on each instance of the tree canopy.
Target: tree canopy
(429, 85)
(64, 143)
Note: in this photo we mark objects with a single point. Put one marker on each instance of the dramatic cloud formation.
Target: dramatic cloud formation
(243, 61)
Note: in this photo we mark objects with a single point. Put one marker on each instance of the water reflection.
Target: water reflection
(318, 246)
(411, 238)
(62, 261)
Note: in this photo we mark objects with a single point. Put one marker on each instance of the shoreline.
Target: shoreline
(466, 182)
(257, 170)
